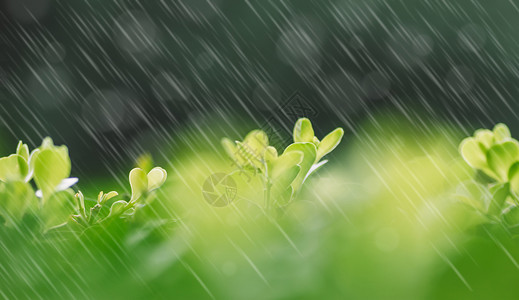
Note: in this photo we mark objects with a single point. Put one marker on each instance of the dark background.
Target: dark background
(113, 79)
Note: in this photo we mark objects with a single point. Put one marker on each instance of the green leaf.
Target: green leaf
(57, 209)
(110, 195)
(10, 168)
(473, 154)
(23, 150)
(249, 156)
(499, 194)
(485, 137)
(309, 157)
(256, 142)
(271, 154)
(117, 208)
(51, 166)
(253, 148)
(285, 162)
(138, 183)
(283, 197)
(501, 133)
(513, 178)
(15, 199)
(47, 143)
(500, 158)
(156, 178)
(303, 131)
(329, 143)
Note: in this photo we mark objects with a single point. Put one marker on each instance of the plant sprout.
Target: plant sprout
(283, 174)
(54, 202)
(495, 154)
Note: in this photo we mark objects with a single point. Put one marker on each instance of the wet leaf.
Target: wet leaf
(303, 131)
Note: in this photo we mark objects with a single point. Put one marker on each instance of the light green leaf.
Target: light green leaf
(499, 194)
(23, 150)
(15, 198)
(513, 178)
(309, 157)
(47, 143)
(473, 154)
(110, 195)
(23, 167)
(10, 168)
(285, 162)
(271, 154)
(156, 178)
(501, 133)
(256, 142)
(249, 156)
(51, 166)
(329, 143)
(57, 209)
(117, 208)
(283, 198)
(500, 158)
(485, 137)
(138, 183)
(303, 131)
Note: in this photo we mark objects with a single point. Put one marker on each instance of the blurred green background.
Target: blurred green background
(407, 80)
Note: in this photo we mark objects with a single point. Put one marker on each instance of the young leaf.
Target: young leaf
(109, 195)
(329, 142)
(51, 166)
(473, 154)
(309, 157)
(485, 137)
(303, 131)
(117, 208)
(47, 143)
(499, 194)
(256, 142)
(249, 156)
(271, 154)
(282, 183)
(156, 177)
(57, 210)
(138, 183)
(15, 198)
(513, 178)
(500, 158)
(284, 162)
(10, 168)
(501, 133)
(23, 150)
